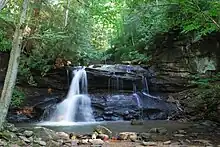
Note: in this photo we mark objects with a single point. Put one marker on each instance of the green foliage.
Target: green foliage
(5, 44)
(144, 21)
(17, 97)
(204, 82)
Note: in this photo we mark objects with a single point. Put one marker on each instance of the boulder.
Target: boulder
(103, 130)
(45, 134)
(96, 142)
(126, 135)
(28, 133)
(62, 135)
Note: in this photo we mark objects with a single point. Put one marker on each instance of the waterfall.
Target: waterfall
(145, 84)
(77, 105)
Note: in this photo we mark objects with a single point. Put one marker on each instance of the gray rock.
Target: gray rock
(84, 141)
(126, 135)
(103, 130)
(153, 130)
(162, 131)
(42, 143)
(62, 135)
(52, 143)
(103, 136)
(96, 141)
(2, 143)
(205, 142)
(28, 133)
(167, 142)
(133, 137)
(181, 131)
(10, 127)
(24, 139)
(149, 143)
(145, 136)
(45, 133)
(178, 135)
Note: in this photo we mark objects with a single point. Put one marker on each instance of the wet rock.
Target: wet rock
(52, 143)
(175, 144)
(205, 142)
(133, 137)
(153, 130)
(28, 133)
(24, 139)
(45, 133)
(181, 131)
(108, 112)
(84, 141)
(96, 141)
(7, 135)
(167, 142)
(14, 145)
(103, 130)
(178, 135)
(162, 131)
(10, 127)
(3, 143)
(149, 143)
(42, 143)
(145, 136)
(103, 136)
(62, 135)
(94, 135)
(126, 135)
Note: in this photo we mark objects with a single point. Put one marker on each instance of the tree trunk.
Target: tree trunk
(35, 19)
(67, 13)
(12, 70)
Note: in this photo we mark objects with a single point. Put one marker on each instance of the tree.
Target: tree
(12, 70)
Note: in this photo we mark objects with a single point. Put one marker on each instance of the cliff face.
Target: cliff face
(173, 68)
(190, 75)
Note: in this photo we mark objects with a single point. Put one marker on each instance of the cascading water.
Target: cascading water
(77, 106)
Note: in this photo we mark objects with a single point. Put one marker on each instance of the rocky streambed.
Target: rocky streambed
(204, 133)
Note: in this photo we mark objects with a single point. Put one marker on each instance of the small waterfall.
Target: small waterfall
(134, 87)
(77, 105)
(145, 84)
(137, 98)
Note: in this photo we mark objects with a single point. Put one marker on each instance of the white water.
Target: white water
(77, 106)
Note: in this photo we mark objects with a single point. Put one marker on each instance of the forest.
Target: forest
(176, 42)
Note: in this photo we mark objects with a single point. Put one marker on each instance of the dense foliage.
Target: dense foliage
(102, 30)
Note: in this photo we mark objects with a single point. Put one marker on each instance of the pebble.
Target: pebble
(42, 143)
(167, 142)
(181, 131)
(84, 141)
(178, 135)
(24, 139)
(149, 143)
